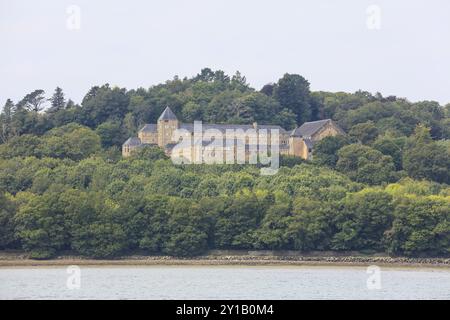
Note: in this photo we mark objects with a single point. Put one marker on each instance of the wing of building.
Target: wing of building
(298, 142)
(303, 138)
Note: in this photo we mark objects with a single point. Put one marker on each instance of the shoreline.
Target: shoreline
(11, 260)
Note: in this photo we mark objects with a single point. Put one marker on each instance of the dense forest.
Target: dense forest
(64, 186)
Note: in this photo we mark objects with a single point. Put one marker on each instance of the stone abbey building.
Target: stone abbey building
(298, 142)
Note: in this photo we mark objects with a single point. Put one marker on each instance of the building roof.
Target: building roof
(308, 129)
(132, 142)
(167, 115)
(170, 146)
(224, 127)
(149, 128)
(309, 143)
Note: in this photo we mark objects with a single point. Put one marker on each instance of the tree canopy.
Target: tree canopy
(64, 187)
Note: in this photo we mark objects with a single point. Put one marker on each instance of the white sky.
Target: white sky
(141, 43)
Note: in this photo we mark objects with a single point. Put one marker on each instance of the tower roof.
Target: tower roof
(167, 115)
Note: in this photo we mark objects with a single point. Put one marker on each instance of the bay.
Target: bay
(223, 282)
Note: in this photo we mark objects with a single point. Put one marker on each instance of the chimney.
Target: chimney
(255, 125)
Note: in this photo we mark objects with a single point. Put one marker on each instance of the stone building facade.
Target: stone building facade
(298, 142)
(303, 138)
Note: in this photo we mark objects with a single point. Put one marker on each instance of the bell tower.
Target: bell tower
(167, 124)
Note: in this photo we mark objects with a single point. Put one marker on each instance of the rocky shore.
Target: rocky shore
(236, 259)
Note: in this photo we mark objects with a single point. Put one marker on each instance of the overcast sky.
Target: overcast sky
(334, 44)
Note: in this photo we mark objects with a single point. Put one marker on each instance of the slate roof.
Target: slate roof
(308, 129)
(170, 146)
(167, 115)
(309, 143)
(132, 142)
(224, 127)
(149, 128)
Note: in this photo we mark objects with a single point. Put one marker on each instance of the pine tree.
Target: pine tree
(58, 101)
(33, 101)
(239, 82)
(70, 104)
(5, 117)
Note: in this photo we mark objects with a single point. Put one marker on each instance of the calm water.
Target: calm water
(223, 283)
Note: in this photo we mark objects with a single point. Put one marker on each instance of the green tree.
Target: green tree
(362, 221)
(310, 227)
(21, 146)
(292, 92)
(187, 242)
(268, 89)
(273, 229)
(192, 111)
(239, 82)
(255, 106)
(71, 141)
(366, 165)
(40, 226)
(366, 132)
(7, 212)
(100, 240)
(152, 153)
(425, 159)
(428, 161)
(104, 103)
(236, 225)
(111, 133)
(286, 119)
(33, 101)
(188, 229)
(326, 150)
(391, 146)
(148, 226)
(6, 131)
(290, 161)
(58, 101)
(421, 226)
